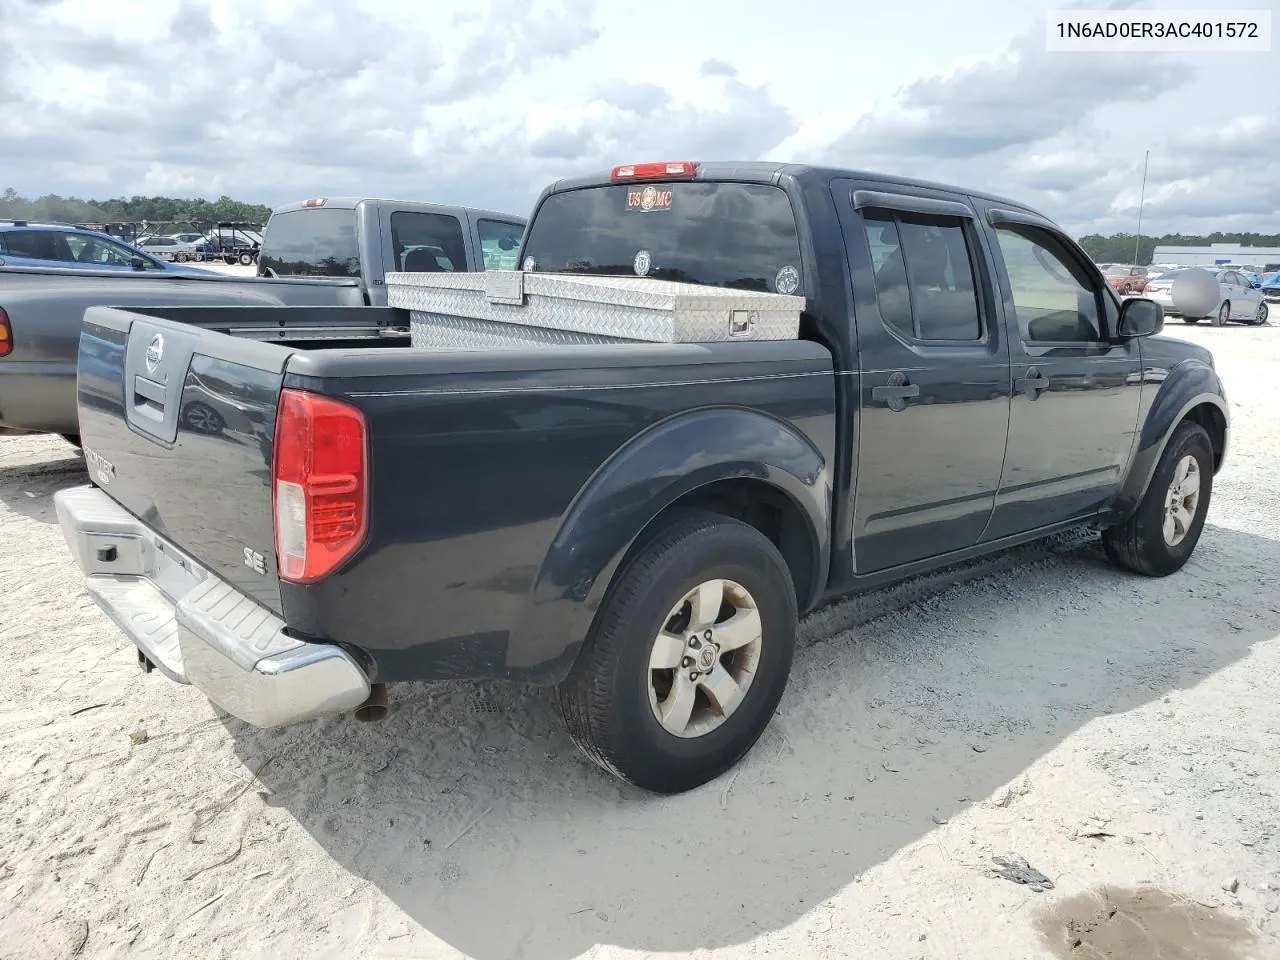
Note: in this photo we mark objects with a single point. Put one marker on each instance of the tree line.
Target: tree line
(156, 210)
(1119, 247)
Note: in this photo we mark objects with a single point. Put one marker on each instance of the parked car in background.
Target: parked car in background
(332, 253)
(171, 248)
(1271, 286)
(27, 244)
(1237, 299)
(637, 522)
(1125, 278)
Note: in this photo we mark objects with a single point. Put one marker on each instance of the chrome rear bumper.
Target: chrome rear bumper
(197, 628)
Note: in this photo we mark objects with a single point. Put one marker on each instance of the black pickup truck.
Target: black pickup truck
(638, 524)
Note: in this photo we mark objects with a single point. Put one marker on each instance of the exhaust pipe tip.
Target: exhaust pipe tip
(375, 707)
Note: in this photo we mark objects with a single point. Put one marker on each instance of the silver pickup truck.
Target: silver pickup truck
(324, 252)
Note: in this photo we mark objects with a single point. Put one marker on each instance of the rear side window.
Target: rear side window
(37, 244)
(924, 276)
(319, 242)
(427, 243)
(720, 234)
(499, 243)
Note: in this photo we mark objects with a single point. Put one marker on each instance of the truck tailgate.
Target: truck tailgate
(177, 426)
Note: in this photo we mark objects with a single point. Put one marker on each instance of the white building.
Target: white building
(1267, 258)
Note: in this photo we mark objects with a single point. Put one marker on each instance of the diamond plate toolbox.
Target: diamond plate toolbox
(512, 307)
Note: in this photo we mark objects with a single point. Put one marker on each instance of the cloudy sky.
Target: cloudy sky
(485, 101)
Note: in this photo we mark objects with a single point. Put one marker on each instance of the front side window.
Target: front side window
(427, 243)
(1055, 300)
(499, 243)
(102, 252)
(924, 276)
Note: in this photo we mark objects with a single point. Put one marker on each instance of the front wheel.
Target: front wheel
(688, 656)
(1223, 315)
(1160, 536)
(1260, 317)
(246, 259)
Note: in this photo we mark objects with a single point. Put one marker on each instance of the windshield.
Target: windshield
(717, 234)
(315, 242)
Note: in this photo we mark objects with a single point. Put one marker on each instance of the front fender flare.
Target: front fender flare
(652, 471)
(1190, 384)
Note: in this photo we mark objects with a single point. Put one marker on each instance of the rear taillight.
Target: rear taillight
(6, 334)
(320, 479)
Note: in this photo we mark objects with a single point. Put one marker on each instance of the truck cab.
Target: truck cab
(366, 237)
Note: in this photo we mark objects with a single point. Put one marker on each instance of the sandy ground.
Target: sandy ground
(1120, 734)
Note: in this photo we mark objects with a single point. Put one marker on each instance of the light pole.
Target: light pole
(1142, 199)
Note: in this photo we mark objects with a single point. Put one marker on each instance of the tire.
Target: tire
(180, 257)
(1223, 315)
(246, 259)
(610, 699)
(1260, 317)
(1140, 544)
(1126, 290)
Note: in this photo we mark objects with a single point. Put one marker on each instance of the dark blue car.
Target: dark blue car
(27, 244)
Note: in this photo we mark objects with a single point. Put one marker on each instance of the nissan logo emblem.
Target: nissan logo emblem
(155, 352)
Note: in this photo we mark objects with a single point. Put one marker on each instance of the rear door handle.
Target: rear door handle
(896, 392)
(1032, 384)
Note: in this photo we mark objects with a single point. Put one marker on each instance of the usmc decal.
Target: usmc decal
(650, 199)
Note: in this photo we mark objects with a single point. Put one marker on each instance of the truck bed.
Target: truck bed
(476, 461)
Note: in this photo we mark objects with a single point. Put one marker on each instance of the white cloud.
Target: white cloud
(486, 101)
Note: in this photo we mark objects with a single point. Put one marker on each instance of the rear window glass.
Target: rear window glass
(717, 234)
(311, 243)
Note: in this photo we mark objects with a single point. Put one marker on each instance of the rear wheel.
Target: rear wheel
(688, 656)
(1162, 533)
(246, 259)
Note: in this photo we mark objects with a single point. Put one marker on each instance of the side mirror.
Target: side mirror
(1140, 317)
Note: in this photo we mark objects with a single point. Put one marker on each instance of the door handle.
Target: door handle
(1032, 384)
(896, 392)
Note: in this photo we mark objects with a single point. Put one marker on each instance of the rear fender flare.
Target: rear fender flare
(631, 489)
(1190, 384)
